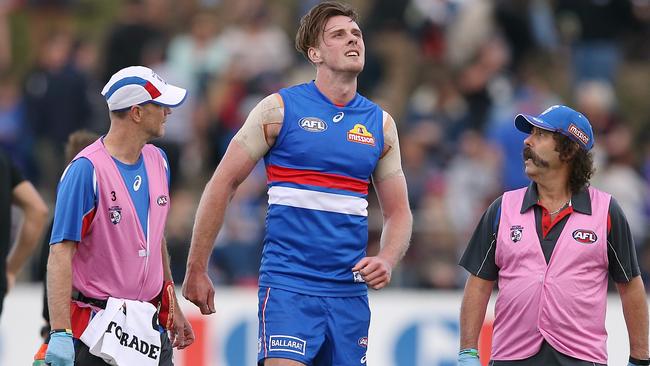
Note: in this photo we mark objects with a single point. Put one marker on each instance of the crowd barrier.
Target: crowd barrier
(409, 328)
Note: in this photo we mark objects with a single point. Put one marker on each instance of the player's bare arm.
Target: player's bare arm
(252, 142)
(390, 185)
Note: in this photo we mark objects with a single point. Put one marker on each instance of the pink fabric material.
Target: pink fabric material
(563, 302)
(115, 258)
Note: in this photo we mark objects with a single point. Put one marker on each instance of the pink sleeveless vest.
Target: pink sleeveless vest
(563, 302)
(115, 258)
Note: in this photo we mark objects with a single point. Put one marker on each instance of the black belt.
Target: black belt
(78, 296)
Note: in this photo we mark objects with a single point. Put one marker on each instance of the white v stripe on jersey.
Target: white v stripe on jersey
(322, 201)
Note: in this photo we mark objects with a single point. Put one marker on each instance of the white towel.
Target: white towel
(122, 334)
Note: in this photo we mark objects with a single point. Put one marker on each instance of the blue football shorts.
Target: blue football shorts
(313, 330)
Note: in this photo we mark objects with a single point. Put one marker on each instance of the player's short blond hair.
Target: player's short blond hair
(313, 23)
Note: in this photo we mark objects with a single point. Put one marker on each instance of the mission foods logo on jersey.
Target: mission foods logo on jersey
(359, 134)
(312, 124)
(584, 236)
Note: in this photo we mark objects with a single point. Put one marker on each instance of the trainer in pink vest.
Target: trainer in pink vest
(563, 302)
(115, 258)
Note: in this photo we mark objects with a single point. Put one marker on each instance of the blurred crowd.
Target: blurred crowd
(453, 73)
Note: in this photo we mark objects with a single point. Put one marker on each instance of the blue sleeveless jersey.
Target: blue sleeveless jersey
(318, 175)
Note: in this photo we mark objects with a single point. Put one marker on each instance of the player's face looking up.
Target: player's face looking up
(341, 47)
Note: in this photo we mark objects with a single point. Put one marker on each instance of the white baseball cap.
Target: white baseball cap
(138, 84)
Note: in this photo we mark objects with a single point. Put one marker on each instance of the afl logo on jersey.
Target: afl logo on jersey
(162, 200)
(312, 124)
(584, 236)
(359, 134)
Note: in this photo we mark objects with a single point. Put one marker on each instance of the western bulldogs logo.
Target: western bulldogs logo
(356, 275)
(516, 232)
(584, 236)
(115, 213)
(162, 200)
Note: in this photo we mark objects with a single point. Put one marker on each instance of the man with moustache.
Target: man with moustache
(551, 246)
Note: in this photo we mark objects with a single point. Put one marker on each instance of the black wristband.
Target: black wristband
(61, 330)
(635, 361)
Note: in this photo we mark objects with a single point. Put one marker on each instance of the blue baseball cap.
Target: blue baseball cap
(562, 119)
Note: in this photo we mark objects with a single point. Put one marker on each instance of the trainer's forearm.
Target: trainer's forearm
(635, 312)
(472, 310)
(59, 283)
(209, 219)
(167, 270)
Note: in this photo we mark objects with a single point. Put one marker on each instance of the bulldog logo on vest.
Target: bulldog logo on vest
(516, 233)
(115, 213)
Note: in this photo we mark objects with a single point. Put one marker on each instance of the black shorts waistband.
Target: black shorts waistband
(78, 296)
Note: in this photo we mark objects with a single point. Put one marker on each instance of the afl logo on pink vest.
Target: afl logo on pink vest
(312, 124)
(115, 213)
(584, 236)
(516, 232)
(162, 200)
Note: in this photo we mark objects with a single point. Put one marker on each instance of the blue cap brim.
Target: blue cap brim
(525, 123)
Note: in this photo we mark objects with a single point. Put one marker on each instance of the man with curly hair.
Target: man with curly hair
(551, 247)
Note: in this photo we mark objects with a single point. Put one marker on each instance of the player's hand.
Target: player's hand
(376, 271)
(60, 350)
(181, 334)
(468, 357)
(198, 288)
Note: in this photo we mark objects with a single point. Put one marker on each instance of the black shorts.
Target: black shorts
(547, 355)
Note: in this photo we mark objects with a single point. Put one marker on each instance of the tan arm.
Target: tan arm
(390, 186)
(635, 311)
(59, 283)
(250, 143)
(472, 310)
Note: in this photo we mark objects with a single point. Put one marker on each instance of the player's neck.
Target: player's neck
(123, 146)
(340, 89)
